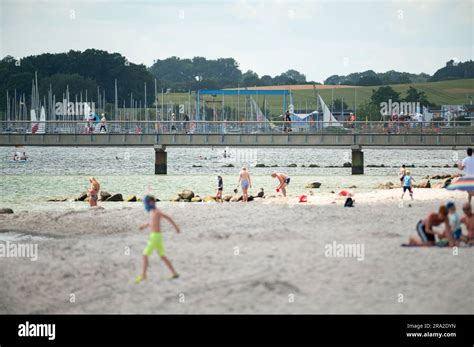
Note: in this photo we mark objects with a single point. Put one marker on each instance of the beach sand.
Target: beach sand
(260, 257)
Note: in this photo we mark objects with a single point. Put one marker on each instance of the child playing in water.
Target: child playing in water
(407, 184)
(156, 237)
(220, 188)
(93, 191)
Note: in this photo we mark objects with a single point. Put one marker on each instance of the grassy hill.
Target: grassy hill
(439, 93)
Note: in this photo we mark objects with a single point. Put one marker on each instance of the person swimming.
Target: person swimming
(245, 182)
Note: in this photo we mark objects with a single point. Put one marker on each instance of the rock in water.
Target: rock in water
(292, 165)
(347, 164)
(423, 184)
(82, 197)
(313, 185)
(6, 211)
(132, 198)
(196, 199)
(115, 197)
(260, 165)
(313, 165)
(186, 194)
(104, 195)
(261, 193)
(56, 199)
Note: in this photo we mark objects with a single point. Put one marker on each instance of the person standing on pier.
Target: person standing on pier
(103, 121)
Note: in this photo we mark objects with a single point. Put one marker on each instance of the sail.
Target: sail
(427, 115)
(42, 123)
(260, 116)
(34, 122)
(328, 118)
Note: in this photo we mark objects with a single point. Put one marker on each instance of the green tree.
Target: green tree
(384, 94)
(369, 111)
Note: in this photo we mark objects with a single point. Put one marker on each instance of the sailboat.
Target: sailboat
(328, 119)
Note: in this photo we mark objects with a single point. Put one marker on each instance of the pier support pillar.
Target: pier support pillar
(161, 160)
(357, 160)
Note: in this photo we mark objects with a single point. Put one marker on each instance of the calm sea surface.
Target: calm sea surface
(63, 172)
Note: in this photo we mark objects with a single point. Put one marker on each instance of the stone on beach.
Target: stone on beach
(237, 197)
(104, 195)
(313, 185)
(82, 197)
(132, 198)
(387, 185)
(186, 194)
(115, 197)
(6, 211)
(227, 198)
(423, 184)
(196, 199)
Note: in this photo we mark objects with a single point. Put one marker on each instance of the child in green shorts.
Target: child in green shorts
(156, 238)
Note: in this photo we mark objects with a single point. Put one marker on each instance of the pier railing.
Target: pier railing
(236, 127)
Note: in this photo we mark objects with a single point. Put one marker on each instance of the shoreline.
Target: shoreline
(281, 252)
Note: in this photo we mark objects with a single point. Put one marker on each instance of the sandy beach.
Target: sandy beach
(262, 257)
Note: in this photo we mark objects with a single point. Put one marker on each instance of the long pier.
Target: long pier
(160, 135)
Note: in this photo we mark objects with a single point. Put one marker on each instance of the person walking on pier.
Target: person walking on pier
(284, 181)
(467, 165)
(103, 121)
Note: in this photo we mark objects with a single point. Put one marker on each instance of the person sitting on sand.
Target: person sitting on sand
(284, 181)
(156, 237)
(468, 221)
(245, 182)
(454, 224)
(220, 188)
(402, 174)
(425, 230)
(407, 184)
(93, 191)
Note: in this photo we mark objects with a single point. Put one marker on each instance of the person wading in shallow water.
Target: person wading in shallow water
(284, 181)
(93, 191)
(245, 182)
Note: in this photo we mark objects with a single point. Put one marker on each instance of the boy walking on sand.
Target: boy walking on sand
(156, 237)
(407, 184)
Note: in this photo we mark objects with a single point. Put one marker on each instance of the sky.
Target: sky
(318, 38)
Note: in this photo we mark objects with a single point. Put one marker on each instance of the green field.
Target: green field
(454, 92)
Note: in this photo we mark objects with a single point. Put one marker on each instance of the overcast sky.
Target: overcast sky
(317, 38)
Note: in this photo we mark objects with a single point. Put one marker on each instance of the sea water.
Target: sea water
(64, 171)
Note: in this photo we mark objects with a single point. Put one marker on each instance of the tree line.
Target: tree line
(94, 69)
